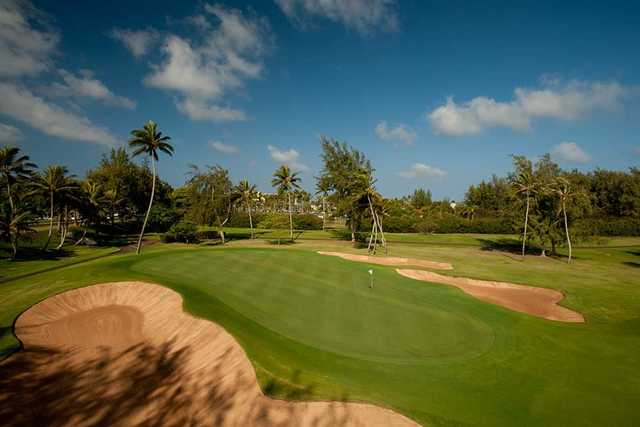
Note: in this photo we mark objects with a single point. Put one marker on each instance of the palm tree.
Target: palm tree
(286, 182)
(525, 184)
(246, 193)
(14, 167)
(563, 190)
(148, 141)
(51, 183)
(12, 225)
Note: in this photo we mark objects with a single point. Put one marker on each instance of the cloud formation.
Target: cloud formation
(137, 41)
(364, 16)
(399, 133)
(21, 104)
(223, 148)
(564, 101)
(223, 58)
(24, 50)
(570, 152)
(420, 170)
(288, 157)
(10, 134)
(87, 86)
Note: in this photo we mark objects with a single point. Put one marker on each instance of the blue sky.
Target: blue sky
(437, 94)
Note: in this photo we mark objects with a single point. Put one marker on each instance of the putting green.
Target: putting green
(313, 329)
(328, 304)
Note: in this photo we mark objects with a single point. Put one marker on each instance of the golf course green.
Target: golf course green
(312, 324)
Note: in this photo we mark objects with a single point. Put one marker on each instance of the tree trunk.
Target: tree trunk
(46, 244)
(526, 221)
(63, 228)
(14, 246)
(566, 228)
(250, 220)
(324, 213)
(9, 195)
(221, 234)
(153, 191)
(290, 218)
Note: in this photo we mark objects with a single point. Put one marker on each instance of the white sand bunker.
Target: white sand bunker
(126, 354)
(532, 300)
(391, 260)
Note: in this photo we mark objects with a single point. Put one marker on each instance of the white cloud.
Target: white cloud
(10, 134)
(24, 50)
(205, 70)
(87, 86)
(571, 152)
(289, 157)
(19, 103)
(420, 170)
(398, 133)
(363, 16)
(563, 101)
(137, 41)
(198, 109)
(224, 148)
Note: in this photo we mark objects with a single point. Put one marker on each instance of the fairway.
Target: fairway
(314, 329)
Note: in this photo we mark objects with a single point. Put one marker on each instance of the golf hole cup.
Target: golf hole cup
(370, 278)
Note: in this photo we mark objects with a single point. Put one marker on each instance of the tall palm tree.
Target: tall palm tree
(525, 184)
(563, 190)
(149, 141)
(51, 183)
(286, 182)
(246, 193)
(14, 167)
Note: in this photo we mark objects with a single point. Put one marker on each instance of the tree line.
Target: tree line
(537, 199)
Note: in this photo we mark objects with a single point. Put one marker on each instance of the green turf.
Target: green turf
(429, 351)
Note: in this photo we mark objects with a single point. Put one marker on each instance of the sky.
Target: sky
(438, 95)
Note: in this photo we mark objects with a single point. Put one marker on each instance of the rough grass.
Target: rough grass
(430, 351)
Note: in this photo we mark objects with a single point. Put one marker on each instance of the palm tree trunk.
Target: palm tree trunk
(153, 192)
(9, 195)
(250, 220)
(50, 222)
(566, 228)
(324, 213)
(63, 228)
(290, 218)
(526, 221)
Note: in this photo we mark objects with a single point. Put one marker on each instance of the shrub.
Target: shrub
(280, 221)
(606, 227)
(182, 231)
(161, 218)
(241, 219)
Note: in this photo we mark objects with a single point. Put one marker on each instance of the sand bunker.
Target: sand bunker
(392, 260)
(539, 302)
(126, 354)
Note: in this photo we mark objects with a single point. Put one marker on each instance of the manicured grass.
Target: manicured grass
(429, 351)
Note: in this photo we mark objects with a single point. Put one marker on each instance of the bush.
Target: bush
(455, 224)
(606, 227)
(161, 218)
(280, 221)
(183, 231)
(241, 220)
(307, 222)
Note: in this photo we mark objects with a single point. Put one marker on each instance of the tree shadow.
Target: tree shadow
(145, 385)
(632, 264)
(30, 253)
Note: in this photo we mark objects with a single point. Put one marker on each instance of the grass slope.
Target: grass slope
(310, 322)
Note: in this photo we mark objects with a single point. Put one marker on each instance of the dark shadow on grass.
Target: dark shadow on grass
(632, 264)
